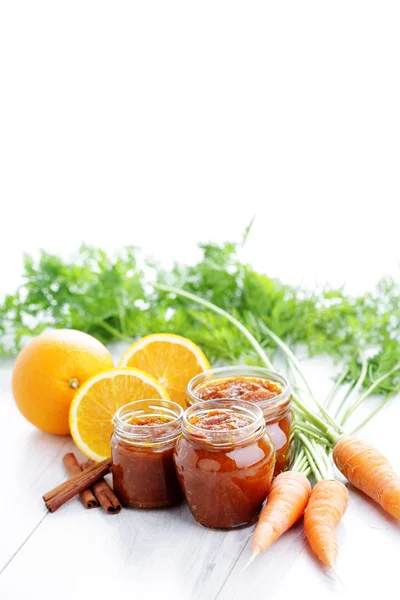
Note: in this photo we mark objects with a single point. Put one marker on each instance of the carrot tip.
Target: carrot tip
(333, 574)
(252, 557)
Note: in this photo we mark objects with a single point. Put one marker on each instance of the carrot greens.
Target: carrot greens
(108, 296)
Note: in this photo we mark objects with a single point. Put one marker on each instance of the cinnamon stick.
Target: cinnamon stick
(73, 468)
(67, 490)
(104, 494)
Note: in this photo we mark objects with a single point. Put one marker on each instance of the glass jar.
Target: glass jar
(142, 446)
(267, 389)
(225, 462)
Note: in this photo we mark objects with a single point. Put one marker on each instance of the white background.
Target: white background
(162, 124)
(165, 124)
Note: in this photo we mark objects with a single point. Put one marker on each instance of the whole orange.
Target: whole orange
(50, 369)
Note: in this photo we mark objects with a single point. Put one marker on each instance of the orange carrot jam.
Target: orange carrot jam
(219, 420)
(252, 389)
(260, 391)
(149, 420)
(142, 447)
(225, 464)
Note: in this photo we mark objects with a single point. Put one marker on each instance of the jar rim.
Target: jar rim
(224, 437)
(145, 434)
(245, 371)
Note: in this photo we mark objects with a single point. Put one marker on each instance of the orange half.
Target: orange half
(96, 402)
(173, 360)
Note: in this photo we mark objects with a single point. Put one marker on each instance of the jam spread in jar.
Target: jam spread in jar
(225, 462)
(250, 389)
(142, 446)
(269, 390)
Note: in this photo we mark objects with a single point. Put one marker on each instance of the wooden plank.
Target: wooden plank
(153, 552)
(31, 464)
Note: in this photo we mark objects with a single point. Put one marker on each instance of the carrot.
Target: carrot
(369, 471)
(327, 505)
(287, 500)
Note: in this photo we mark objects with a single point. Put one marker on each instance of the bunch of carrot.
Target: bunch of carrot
(317, 435)
(324, 506)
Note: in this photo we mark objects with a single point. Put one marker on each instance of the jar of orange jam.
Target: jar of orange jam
(267, 389)
(142, 446)
(225, 462)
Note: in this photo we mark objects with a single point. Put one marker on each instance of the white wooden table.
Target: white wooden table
(163, 553)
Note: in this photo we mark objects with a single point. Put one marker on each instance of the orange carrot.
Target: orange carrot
(369, 471)
(287, 500)
(327, 505)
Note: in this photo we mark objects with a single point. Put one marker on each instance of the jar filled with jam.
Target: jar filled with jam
(225, 462)
(267, 389)
(142, 446)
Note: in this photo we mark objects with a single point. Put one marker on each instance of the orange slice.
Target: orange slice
(95, 403)
(173, 360)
